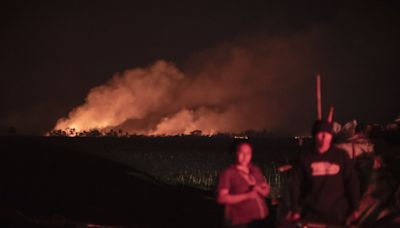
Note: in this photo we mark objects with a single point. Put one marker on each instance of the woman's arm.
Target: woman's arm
(263, 189)
(225, 198)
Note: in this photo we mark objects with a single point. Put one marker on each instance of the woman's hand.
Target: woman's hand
(262, 189)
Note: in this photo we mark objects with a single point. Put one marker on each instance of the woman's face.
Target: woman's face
(244, 154)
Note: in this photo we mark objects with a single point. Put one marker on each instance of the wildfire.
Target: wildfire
(232, 88)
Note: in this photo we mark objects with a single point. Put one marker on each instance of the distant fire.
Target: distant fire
(232, 88)
(132, 95)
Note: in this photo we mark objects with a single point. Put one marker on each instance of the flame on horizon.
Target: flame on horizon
(250, 84)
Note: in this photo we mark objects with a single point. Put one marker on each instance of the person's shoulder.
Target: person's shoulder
(228, 170)
(254, 168)
(340, 152)
(256, 171)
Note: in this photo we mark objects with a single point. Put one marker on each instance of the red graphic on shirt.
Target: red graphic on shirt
(324, 168)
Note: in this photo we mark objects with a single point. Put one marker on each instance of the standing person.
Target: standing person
(325, 184)
(360, 148)
(242, 189)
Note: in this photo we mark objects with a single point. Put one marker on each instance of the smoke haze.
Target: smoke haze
(166, 68)
(255, 83)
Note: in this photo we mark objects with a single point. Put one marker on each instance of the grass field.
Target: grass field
(121, 181)
(128, 182)
(190, 161)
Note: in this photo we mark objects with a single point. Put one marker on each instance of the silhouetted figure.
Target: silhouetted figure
(360, 148)
(242, 189)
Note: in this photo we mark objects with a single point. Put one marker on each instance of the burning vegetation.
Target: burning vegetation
(230, 88)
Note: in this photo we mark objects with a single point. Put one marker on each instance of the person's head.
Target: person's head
(243, 152)
(360, 128)
(363, 129)
(323, 134)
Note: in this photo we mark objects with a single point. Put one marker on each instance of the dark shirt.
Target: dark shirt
(248, 210)
(325, 186)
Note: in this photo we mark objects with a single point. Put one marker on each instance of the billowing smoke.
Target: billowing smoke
(253, 83)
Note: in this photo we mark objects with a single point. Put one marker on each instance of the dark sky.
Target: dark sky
(52, 53)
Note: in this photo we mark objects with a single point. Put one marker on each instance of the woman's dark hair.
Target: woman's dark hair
(235, 144)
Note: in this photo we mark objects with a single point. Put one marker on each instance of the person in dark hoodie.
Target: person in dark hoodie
(325, 185)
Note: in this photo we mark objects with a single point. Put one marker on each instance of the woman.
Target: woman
(242, 189)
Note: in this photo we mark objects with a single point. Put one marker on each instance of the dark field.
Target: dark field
(132, 182)
(128, 182)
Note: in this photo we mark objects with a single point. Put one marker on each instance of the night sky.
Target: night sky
(53, 53)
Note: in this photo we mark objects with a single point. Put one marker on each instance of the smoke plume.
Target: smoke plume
(251, 83)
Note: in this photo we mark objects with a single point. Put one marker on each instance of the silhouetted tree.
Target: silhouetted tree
(196, 133)
(58, 133)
